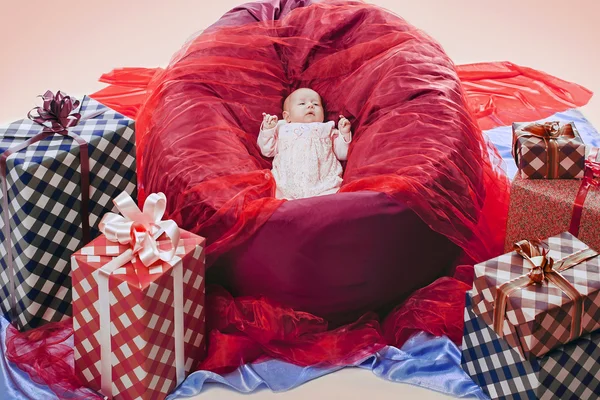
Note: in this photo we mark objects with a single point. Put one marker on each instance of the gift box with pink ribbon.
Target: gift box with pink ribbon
(541, 295)
(541, 208)
(138, 303)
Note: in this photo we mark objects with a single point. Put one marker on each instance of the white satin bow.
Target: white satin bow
(141, 229)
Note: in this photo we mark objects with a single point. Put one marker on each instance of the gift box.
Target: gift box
(543, 208)
(541, 295)
(138, 303)
(548, 150)
(46, 161)
(570, 371)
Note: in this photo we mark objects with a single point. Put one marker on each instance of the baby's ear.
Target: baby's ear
(286, 116)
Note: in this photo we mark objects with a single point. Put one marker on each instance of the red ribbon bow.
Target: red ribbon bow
(592, 173)
(55, 113)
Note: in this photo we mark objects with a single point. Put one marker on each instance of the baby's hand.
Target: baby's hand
(269, 121)
(344, 126)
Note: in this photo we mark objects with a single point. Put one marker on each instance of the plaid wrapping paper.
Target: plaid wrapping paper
(543, 208)
(141, 315)
(538, 317)
(44, 197)
(531, 155)
(569, 372)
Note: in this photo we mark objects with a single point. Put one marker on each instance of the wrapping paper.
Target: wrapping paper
(548, 150)
(141, 360)
(540, 208)
(44, 197)
(571, 371)
(538, 317)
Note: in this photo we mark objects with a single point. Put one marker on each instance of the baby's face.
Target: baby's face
(304, 105)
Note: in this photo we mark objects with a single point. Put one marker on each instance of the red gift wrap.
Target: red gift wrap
(138, 329)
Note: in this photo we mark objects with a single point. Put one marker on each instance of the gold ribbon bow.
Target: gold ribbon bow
(543, 268)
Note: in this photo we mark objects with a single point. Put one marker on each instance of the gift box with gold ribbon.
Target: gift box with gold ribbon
(548, 150)
(541, 295)
(570, 371)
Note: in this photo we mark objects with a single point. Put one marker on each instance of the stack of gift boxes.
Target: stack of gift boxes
(73, 242)
(532, 319)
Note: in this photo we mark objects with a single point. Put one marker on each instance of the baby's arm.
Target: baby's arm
(342, 138)
(267, 138)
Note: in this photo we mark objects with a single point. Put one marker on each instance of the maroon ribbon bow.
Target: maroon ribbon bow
(55, 113)
(591, 178)
(55, 116)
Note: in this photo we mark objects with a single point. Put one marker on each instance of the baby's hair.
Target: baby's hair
(286, 102)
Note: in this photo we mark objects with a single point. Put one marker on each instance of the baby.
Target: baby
(306, 150)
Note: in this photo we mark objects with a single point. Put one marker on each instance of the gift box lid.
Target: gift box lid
(96, 120)
(535, 300)
(101, 251)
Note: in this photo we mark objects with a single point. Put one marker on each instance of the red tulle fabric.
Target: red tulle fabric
(249, 329)
(414, 136)
(46, 354)
(502, 93)
(417, 137)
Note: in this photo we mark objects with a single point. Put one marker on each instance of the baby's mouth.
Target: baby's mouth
(310, 113)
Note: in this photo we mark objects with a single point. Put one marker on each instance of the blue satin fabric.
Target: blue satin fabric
(502, 136)
(426, 361)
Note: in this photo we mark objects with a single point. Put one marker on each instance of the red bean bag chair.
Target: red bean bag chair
(421, 188)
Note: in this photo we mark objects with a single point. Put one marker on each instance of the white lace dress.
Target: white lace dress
(306, 158)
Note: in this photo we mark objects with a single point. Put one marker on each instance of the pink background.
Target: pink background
(67, 45)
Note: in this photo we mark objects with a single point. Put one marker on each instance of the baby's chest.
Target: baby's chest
(305, 131)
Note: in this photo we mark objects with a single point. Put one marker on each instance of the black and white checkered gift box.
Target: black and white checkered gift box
(44, 201)
(571, 371)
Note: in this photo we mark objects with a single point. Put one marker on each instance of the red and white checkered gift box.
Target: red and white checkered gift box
(138, 330)
(539, 317)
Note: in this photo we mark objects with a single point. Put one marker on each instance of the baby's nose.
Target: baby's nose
(311, 105)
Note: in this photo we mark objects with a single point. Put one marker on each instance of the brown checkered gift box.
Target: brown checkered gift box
(537, 317)
(138, 303)
(548, 150)
(544, 208)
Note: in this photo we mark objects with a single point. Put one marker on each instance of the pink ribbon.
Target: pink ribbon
(141, 229)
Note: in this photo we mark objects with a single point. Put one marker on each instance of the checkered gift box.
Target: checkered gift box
(548, 150)
(538, 317)
(44, 202)
(138, 330)
(569, 372)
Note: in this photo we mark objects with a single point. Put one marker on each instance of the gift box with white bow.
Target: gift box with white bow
(138, 298)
